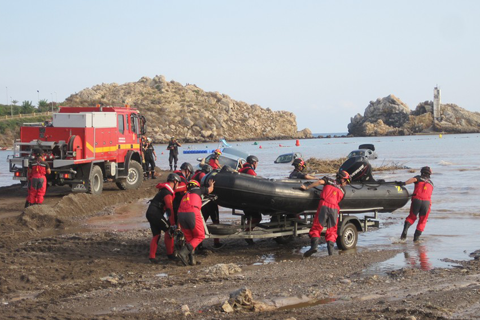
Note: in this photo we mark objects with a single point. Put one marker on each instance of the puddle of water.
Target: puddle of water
(266, 259)
(444, 239)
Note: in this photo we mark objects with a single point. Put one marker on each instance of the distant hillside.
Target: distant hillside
(190, 113)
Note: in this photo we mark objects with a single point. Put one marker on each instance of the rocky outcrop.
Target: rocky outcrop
(390, 116)
(190, 113)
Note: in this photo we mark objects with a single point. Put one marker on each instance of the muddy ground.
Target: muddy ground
(53, 267)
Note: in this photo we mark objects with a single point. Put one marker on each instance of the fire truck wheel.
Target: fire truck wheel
(95, 181)
(134, 178)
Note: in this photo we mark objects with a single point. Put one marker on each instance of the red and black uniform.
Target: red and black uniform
(210, 209)
(254, 216)
(190, 217)
(160, 216)
(328, 210)
(198, 175)
(213, 162)
(421, 202)
(248, 169)
(179, 191)
(37, 181)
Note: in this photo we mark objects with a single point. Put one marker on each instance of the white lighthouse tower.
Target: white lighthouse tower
(436, 103)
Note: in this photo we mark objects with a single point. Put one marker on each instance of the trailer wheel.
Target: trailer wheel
(95, 181)
(134, 177)
(283, 239)
(348, 238)
(222, 229)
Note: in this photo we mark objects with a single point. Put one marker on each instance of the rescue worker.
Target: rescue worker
(143, 144)
(213, 162)
(210, 209)
(191, 221)
(150, 158)
(173, 145)
(184, 173)
(37, 179)
(297, 173)
(160, 215)
(252, 217)
(328, 210)
(421, 202)
(200, 173)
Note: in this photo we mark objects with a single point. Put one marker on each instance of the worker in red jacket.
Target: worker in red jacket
(213, 162)
(37, 179)
(210, 209)
(328, 210)
(252, 217)
(421, 202)
(185, 172)
(160, 215)
(191, 221)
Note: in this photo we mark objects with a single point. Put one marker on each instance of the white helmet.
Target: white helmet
(149, 139)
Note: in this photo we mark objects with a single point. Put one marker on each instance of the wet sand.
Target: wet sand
(68, 259)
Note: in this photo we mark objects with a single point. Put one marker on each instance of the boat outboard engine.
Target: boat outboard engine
(359, 168)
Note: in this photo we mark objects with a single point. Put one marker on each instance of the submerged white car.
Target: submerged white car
(364, 150)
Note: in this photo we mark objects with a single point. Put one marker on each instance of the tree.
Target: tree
(43, 106)
(27, 107)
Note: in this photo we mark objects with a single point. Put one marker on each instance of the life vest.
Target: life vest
(213, 163)
(423, 188)
(191, 201)
(158, 203)
(248, 169)
(39, 168)
(198, 176)
(332, 194)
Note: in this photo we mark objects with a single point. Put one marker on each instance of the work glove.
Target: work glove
(171, 230)
(400, 183)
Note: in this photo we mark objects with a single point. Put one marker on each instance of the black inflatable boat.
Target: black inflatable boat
(270, 196)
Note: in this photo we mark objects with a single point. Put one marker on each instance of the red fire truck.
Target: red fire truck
(84, 147)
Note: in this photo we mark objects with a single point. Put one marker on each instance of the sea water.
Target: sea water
(453, 228)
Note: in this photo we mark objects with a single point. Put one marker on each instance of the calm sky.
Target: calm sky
(322, 60)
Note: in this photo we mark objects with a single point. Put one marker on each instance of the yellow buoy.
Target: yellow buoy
(440, 136)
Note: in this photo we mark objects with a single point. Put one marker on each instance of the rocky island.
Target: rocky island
(390, 116)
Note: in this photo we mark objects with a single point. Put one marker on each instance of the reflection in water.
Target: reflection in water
(419, 258)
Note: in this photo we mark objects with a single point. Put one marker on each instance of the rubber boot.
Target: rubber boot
(191, 258)
(330, 247)
(27, 204)
(171, 168)
(405, 229)
(417, 235)
(175, 167)
(313, 247)
(184, 253)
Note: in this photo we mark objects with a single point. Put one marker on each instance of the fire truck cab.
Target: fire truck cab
(84, 147)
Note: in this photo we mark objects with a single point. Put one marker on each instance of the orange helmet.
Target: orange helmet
(299, 163)
(343, 175)
(217, 151)
(192, 184)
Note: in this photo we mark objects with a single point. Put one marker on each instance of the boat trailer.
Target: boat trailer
(283, 227)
